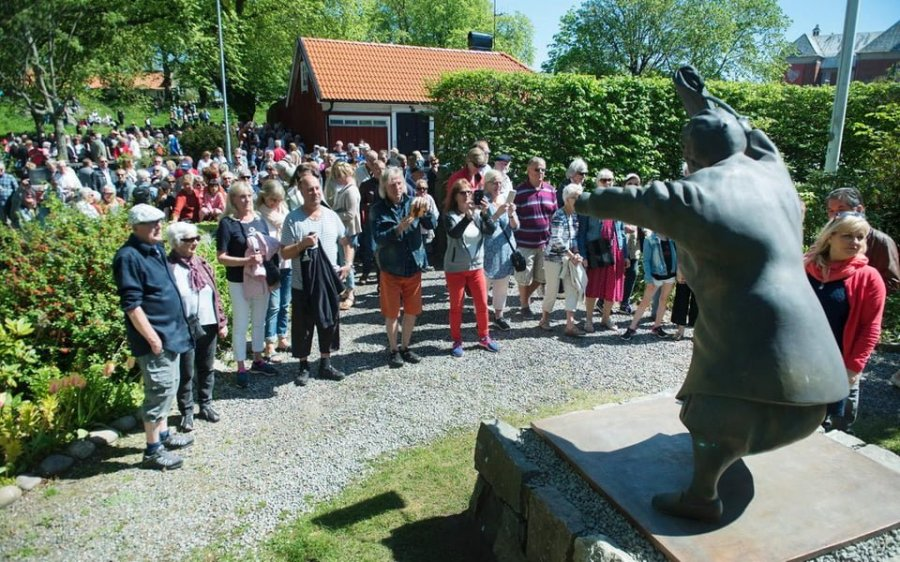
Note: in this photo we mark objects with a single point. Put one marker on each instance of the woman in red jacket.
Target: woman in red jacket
(852, 295)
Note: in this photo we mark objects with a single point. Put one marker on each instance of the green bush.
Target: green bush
(203, 136)
(40, 408)
(634, 125)
(59, 278)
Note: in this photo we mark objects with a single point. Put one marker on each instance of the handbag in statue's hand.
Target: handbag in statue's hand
(600, 253)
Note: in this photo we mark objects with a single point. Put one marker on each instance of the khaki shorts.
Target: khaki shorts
(161, 375)
(534, 267)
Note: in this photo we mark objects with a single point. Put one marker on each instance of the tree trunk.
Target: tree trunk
(38, 123)
(243, 103)
(167, 79)
(203, 93)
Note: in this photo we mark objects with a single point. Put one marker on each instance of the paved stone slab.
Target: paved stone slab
(787, 504)
(553, 524)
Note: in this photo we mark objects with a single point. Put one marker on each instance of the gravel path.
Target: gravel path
(280, 449)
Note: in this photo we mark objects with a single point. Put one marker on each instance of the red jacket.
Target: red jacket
(865, 295)
(187, 206)
(463, 173)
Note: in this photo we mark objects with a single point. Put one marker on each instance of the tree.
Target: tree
(446, 23)
(50, 49)
(728, 39)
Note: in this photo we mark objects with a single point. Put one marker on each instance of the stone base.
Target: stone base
(524, 521)
(790, 504)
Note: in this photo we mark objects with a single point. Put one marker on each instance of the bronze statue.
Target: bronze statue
(765, 363)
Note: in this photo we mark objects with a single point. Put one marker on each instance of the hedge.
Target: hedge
(634, 124)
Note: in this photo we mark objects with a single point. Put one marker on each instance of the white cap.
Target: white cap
(143, 213)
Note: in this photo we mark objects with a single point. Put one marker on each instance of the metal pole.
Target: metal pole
(494, 38)
(845, 68)
(224, 93)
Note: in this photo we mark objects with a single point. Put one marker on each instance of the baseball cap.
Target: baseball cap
(504, 158)
(143, 213)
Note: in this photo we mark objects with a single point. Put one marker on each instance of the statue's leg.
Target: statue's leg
(722, 431)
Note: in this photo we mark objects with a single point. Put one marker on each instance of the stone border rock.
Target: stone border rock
(524, 519)
(58, 463)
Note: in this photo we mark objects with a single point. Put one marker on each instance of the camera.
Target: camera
(478, 196)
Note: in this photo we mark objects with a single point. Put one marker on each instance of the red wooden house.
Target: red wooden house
(346, 90)
(815, 59)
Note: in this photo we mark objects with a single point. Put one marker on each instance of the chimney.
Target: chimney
(480, 41)
(816, 31)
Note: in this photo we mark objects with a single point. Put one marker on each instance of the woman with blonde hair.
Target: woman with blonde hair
(345, 202)
(499, 246)
(273, 209)
(852, 295)
(239, 224)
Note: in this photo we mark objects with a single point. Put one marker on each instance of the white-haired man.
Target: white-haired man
(156, 327)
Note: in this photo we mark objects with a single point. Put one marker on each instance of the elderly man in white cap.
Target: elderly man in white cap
(157, 329)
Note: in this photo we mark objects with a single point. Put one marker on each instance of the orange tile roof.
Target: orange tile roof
(146, 81)
(380, 72)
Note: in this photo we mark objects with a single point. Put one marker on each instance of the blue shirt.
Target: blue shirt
(144, 280)
(398, 254)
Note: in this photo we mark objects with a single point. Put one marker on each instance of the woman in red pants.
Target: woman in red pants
(466, 223)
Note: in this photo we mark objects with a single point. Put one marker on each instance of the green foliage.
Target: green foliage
(447, 23)
(203, 137)
(59, 278)
(39, 407)
(50, 48)
(721, 38)
(634, 124)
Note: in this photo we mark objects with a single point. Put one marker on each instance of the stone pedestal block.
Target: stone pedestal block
(553, 524)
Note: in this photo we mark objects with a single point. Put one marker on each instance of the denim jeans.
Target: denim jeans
(350, 281)
(279, 303)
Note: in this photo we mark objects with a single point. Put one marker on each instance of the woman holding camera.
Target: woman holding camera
(467, 223)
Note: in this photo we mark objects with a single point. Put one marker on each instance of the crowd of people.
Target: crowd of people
(299, 229)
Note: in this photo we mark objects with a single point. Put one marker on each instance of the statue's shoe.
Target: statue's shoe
(678, 504)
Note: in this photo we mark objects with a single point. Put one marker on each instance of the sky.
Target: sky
(874, 15)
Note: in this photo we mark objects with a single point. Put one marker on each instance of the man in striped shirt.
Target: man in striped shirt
(535, 204)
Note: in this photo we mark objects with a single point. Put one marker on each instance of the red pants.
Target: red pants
(456, 286)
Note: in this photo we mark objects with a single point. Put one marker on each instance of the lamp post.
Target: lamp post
(224, 93)
(845, 68)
